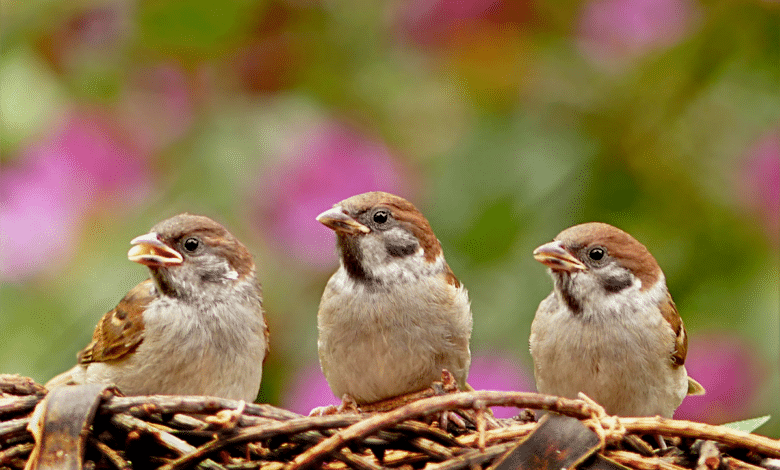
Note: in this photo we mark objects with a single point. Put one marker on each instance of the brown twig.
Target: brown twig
(146, 405)
(639, 462)
(355, 461)
(437, 404)
(417, 428)
(195, 429)
(15, 452)
(112, 455)
(736, 464)
(167, 440)
(13, 405)
(257, 433)
(472, 458)
(512, 432)
(13, 427)
(431, 449)
(732, 437)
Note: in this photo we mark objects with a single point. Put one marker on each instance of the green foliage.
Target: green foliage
(748, 425)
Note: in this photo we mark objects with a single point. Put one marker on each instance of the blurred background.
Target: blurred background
(504, 121)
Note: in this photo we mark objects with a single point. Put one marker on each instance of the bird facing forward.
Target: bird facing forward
(610, 328)
(196, 327)
(393, 315)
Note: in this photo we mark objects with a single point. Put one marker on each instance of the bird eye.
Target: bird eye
(596, 254)
(380, 217)
(191, 244)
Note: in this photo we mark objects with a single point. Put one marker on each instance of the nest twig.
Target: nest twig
(176, 433)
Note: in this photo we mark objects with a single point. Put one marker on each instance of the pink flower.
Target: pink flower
(330, 163)
(760, 185)
(45, 196)
(306, 390)
(38, 215)
(625, 29)
(732, 374)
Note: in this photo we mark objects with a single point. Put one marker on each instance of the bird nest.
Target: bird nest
(95, 427)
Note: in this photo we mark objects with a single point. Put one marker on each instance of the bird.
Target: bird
(195, 327)
(610, 328)
(393, 316)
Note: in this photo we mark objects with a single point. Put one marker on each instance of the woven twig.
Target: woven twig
(175, 433)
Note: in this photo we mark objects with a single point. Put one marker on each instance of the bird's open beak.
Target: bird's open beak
(558, 258)
(150, 251)
(340, 221)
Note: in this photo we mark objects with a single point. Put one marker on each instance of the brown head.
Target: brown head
(614, 257)
(376, 228)
(191, 249)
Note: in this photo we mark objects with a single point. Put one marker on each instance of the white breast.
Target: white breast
(218, 352)
(619, 356)
(375, 343)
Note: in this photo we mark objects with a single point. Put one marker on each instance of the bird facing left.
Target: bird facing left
(196, 327)
(393, 315)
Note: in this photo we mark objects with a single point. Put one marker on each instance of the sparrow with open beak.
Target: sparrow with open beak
(610, 328)
(393, 316)
(196, 327)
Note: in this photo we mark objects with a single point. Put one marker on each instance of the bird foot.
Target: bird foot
(348, 405)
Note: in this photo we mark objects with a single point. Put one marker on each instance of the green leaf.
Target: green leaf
(748, 425)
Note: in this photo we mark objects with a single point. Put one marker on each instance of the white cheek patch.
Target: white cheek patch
(232, 274)
(373, 250)
(620, 304)
(381, 265)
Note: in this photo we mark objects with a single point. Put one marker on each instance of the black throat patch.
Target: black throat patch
(162, 281)
(564, 283)
(352, 258)
(615, 284)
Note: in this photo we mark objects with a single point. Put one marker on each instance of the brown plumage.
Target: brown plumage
(196, 327)
(610, 328)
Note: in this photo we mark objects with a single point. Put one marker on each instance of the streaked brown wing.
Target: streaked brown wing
(120, 331)
(672, 316)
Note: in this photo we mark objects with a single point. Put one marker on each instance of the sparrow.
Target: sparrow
(196, 327)
(609, 328)
(393, 316)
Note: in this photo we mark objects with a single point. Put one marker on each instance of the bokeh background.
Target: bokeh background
(505, 121)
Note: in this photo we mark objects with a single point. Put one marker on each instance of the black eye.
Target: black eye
(191, 244)
(380, 217)
(596, 254)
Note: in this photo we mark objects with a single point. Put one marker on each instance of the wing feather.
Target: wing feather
(120, 331)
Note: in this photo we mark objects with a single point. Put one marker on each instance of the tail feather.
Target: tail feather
(694, 387)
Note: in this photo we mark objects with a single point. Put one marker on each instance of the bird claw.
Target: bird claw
(227, 419)
(348, 405)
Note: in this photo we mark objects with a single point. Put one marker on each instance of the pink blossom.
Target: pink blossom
(730, 371)
(624, 29)
(44, 197)
(330, 163)
(306, 390)
(500, 371)
(38, 217)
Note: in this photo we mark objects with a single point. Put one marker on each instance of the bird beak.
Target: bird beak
(558, 258)
(340, 221)
(150, 251)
